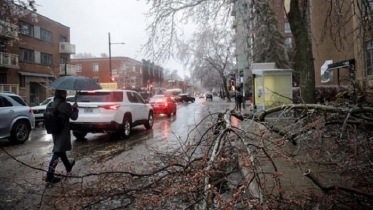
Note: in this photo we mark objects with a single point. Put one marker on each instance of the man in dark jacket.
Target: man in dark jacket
(239, 100)
(62, 140)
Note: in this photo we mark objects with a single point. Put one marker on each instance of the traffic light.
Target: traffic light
(113, 79)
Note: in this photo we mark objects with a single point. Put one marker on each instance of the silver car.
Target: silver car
(17, 118)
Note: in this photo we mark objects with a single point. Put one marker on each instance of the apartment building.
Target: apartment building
(243, 12)
(126, 72)
(33, 49)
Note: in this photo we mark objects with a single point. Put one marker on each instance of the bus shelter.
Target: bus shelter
(272, 86)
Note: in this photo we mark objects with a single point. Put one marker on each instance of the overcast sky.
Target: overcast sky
(90, 21)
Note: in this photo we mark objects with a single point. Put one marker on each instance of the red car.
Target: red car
(163, 105)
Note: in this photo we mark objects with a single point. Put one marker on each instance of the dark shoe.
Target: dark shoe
(72, 163)
(53, 180)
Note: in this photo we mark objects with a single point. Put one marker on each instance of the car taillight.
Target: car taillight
(31, 110)
(111, 107)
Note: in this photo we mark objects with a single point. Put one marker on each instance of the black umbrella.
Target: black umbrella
(75, 83)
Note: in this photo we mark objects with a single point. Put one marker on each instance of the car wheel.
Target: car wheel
(20, 132)
(126, 128)
(149, 124)
(79, 134)
(169, 113)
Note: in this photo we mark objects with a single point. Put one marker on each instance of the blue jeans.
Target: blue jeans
(54, 162)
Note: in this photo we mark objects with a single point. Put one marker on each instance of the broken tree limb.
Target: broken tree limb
(327, 189)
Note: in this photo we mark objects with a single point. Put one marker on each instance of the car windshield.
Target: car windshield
(158, 99)
(46, 101)
(93, 96)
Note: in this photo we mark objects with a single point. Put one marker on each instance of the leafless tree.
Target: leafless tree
(209, 53)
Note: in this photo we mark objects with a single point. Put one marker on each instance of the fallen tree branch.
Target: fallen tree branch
(327, 189)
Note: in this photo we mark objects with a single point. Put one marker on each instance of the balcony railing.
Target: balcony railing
(14, 88)
(66, 47)
(8, 30)
(70, 69)
(9, 60)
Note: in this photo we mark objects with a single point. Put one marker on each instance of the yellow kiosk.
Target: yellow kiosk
(272, 86)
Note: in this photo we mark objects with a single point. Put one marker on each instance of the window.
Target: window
(134, 68)
(22, 81)
(63, 39)
(4, 102)
(132, 97)
(288, 42)
(63, 60)
(123, 66)
(287, 28)
(46, 59)
(45, 35)
(78, 67)
(95, 67)
(140, 70)
(139, 98)
(26, 29)
(26, 55)
(3, 78)
(369, 58)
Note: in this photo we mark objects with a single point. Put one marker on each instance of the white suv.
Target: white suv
(111, 111)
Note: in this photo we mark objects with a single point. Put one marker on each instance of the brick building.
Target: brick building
(32, 49)
(353, 42)
(153, 75)
(126, 72)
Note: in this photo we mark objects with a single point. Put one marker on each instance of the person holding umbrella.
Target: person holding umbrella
(62, 140)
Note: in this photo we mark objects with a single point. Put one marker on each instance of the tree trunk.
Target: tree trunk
(304, 56)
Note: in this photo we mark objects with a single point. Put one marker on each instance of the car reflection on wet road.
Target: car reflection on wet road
(98, 150)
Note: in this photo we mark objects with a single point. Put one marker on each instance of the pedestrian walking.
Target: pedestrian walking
(62, 140)
(236, 101)
(239, 99)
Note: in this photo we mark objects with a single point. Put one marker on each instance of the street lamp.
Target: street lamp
(110, 73)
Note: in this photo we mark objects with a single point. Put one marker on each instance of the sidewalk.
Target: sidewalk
(231, 104)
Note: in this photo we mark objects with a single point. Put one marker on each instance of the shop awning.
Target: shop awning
(31, 74)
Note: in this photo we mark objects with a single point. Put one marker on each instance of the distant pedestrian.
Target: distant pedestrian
(239, 100)
(62, 140)
(235, 101)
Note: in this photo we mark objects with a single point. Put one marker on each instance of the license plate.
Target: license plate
(88, 110)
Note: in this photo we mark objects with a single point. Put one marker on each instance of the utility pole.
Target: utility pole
(110, 73)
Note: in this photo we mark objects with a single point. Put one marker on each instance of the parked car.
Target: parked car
(111, 111)
(163, 105)
(201, 95)
(17, 118)
(40, 109)
(184, 98)
(208, 96)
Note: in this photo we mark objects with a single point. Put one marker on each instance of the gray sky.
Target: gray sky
(90, 21)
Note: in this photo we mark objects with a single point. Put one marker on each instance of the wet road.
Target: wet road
(97, 151)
